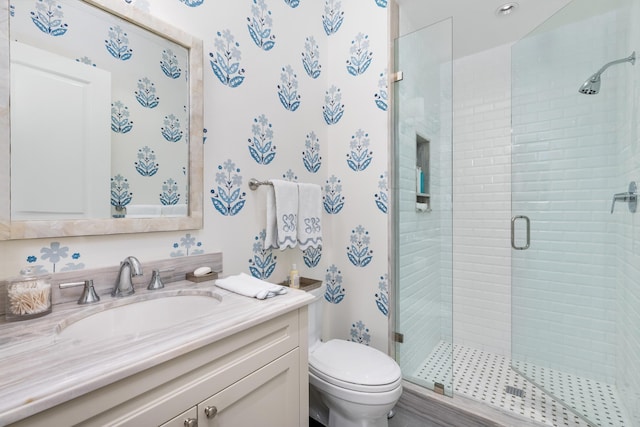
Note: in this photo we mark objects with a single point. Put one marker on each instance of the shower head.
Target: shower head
(592, 85)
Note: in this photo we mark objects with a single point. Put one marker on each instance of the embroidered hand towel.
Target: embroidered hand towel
(309, 213)
(250, 286)
(286, 200)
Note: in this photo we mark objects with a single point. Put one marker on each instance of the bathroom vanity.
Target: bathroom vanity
(243, 363)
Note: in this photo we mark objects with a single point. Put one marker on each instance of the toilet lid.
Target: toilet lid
(357, 364)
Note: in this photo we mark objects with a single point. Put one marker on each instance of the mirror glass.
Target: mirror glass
(102, 112)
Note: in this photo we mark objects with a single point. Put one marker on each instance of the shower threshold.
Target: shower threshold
(488, 378)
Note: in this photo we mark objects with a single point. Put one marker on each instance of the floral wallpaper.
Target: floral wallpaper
(293, 89)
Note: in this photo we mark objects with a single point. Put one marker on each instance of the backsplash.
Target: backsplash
(104, 278)
(295, 91)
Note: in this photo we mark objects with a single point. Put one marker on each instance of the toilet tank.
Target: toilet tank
(315, 317)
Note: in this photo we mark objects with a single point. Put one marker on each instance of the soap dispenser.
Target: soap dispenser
(294, 277)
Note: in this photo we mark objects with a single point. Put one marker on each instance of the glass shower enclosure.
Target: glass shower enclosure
(575, 229)
(423, 209)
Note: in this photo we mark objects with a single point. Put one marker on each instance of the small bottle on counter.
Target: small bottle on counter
(28, 296)
(294, 277)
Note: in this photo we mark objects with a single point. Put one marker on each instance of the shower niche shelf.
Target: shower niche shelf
(423, 170)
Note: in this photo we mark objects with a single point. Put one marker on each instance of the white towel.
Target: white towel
(271, 235)
(282, 214)
(250, 286)
(309, 214)
(143, 211)
(175, 210)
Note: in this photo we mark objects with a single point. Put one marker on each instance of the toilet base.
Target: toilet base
(335, 412)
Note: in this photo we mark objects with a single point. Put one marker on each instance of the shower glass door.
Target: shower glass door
(574, 333)
(422, 206)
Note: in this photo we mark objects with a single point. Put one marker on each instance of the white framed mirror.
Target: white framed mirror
(101, 121)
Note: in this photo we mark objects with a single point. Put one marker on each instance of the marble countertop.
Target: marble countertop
(38, 371)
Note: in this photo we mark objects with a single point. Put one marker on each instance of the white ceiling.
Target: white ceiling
(475, 25)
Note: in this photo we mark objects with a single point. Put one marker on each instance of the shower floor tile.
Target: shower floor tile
(485, 376)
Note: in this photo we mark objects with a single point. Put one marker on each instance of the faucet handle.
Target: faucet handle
(156, 280)
(89, 295)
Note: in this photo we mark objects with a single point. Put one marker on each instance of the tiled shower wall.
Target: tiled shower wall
(424, 261)
(481, 203)
(565, 171)
(628, 249)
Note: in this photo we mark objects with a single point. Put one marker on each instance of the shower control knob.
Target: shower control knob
(210, 411)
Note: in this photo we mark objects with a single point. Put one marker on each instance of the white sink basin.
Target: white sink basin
(136, 316)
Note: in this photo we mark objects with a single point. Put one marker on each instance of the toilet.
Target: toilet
(350, 384)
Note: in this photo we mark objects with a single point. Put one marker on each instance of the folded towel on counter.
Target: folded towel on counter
(309, 214)
(282, 214)
(249, 286)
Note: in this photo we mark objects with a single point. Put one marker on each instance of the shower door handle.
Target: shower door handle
(513, 232)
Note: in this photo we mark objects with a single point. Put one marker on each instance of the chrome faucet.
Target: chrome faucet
(128, 268)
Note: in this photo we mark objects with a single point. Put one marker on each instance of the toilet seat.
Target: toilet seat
(354, 366)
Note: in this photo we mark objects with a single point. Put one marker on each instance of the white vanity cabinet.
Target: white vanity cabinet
(254, 377)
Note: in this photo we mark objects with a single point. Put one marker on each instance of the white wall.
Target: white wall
(481, 201)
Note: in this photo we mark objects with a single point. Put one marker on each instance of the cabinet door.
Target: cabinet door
(182, 419)
(269, 397)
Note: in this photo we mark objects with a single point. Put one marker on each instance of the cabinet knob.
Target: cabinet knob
(191, 422)
(210, 411)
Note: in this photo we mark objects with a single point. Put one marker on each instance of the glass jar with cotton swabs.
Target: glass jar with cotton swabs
(28, 296)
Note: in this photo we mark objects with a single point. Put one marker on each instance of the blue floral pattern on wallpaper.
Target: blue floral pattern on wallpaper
(171, 131)
(118, 44)
(358, 250)
(290, 175)
(360, 156)
(48, 18)
(146, 164)
(120, 122)
(146, 93)
(263, 262)
(169, 195)
(292, 3)
(227, 198)
(382, 296)
(170, 65)
(333, 200)
(333, 109)
(382, 96)
(226, 60)
(186, 243)
(261, 146)
(260, 25)
(192, 3)
(120, 194)
(311, 256)
(311, 155)
(86, 60)
(54, 254)
(311, 58)
(360, 333)
(361, 56)
(382, 196)
(288, 89)
(333, 16)
(335, 292)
